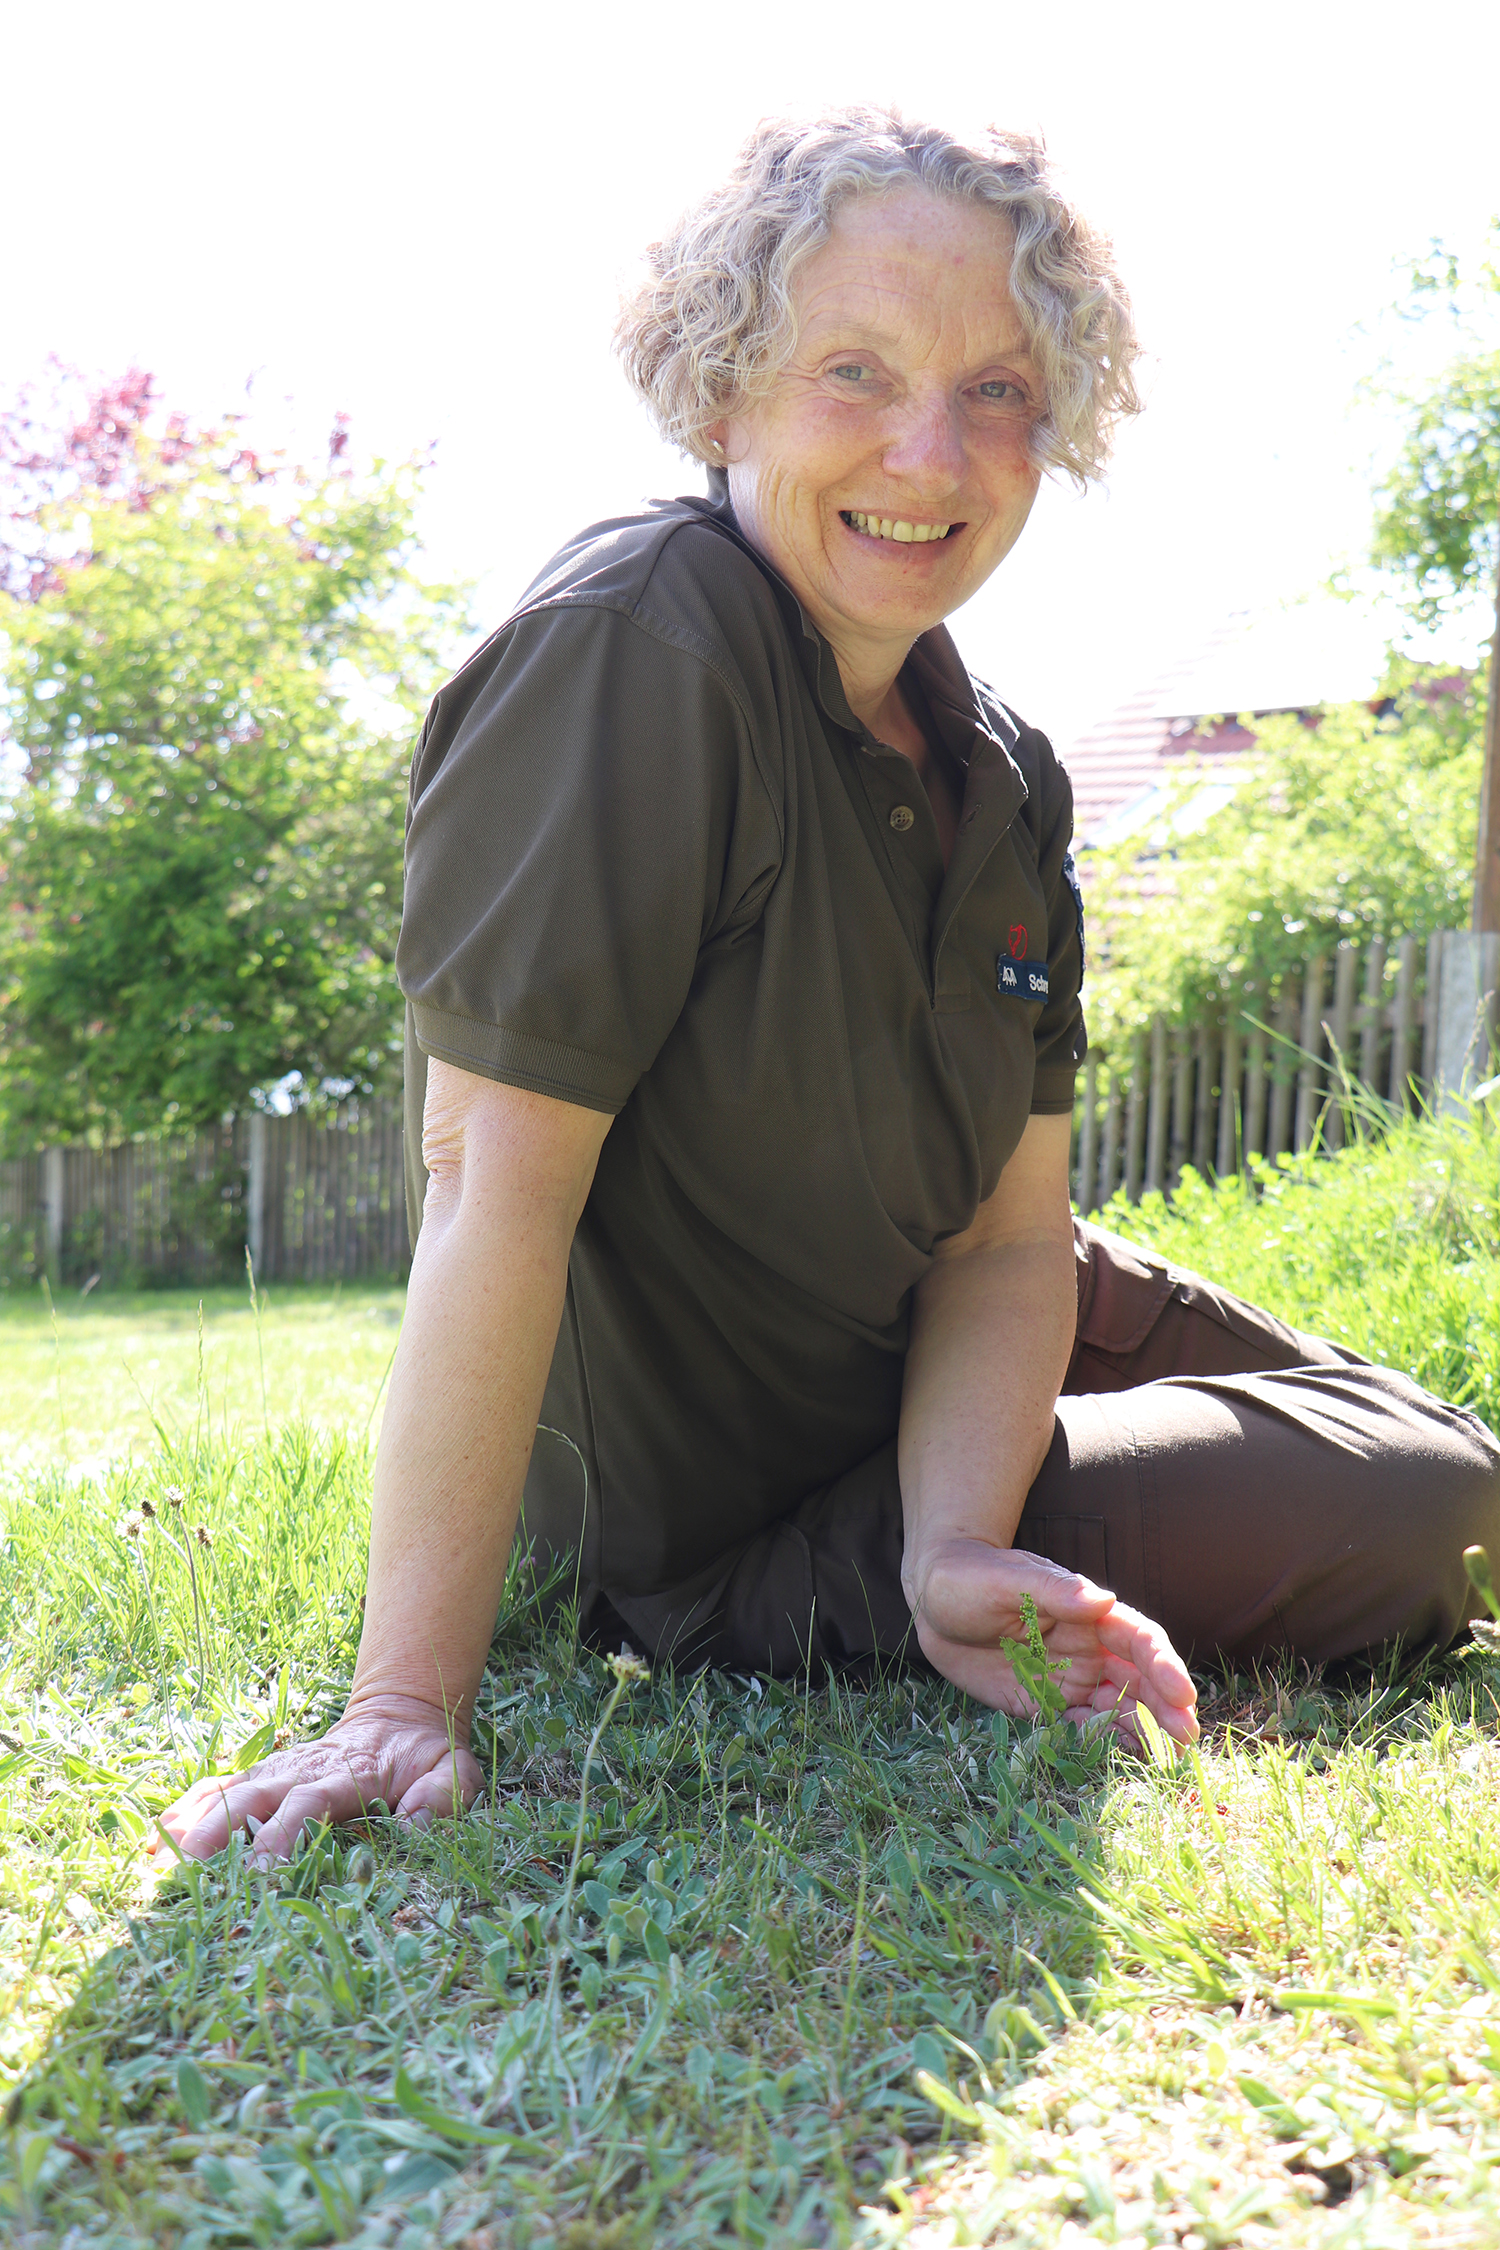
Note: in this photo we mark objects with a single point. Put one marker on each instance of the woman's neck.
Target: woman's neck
(869, 671)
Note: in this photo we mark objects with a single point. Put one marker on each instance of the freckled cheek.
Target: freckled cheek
(784, 509)
(1007, 457)
(820, 446)
(1011, 480)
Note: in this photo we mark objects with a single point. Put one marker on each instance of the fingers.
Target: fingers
(180, 1818)
(305, 1807)
(1122, 1692)
(434, 1794)
(206, 1816)
(337, 1779)
(1058, 1593)
(972, 1592)
(1143, 1644)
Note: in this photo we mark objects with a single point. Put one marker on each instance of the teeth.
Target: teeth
(907, 534)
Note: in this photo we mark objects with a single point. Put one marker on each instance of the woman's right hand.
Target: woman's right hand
(393, 1750)
(968, 1598)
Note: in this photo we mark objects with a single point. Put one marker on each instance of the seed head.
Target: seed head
(148, 1510)
(203, 1535)
(628, 1667)
(131, 1526)
(174, 1496)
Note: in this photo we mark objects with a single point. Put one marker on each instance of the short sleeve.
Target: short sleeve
(1061, 1040)
(586, 812)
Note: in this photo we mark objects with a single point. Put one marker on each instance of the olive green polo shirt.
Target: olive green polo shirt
(656, 866)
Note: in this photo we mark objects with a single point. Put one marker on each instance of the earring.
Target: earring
(717, 444)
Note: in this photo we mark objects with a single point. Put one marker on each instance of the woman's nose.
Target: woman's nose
(926, 451)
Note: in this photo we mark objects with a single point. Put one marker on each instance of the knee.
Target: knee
(1454, 1504)
(1465, 1483)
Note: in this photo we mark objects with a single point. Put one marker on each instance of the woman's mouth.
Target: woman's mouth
(906, 533)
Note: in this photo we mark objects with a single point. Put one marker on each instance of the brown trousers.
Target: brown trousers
(1257, 1491)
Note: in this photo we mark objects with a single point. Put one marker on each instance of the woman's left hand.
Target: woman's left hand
(969, 1599)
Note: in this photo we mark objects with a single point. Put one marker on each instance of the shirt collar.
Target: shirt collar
(955, 701)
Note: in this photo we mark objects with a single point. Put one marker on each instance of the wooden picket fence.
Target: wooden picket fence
(316, 1199)
(1286, 1065)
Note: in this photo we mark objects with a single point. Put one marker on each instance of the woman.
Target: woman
(742, 951)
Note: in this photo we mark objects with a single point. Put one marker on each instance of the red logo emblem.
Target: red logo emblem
(1018, 941)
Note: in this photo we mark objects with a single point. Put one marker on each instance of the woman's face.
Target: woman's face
(888, 471)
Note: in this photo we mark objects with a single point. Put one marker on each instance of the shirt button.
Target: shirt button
(902, 816)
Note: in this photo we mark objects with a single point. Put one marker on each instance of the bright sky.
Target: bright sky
(425, 216)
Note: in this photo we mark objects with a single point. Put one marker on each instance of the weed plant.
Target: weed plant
(719, 1960)
(1391, 1247)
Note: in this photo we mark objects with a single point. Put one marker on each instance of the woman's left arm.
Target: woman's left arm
(992, 1331)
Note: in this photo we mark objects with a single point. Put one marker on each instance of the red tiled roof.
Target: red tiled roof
(1279, 661)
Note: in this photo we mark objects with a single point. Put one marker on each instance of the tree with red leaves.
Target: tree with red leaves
(200, 868)
(62, 444)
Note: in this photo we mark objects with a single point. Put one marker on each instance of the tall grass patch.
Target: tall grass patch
(724, 1961)
(1391, 1247)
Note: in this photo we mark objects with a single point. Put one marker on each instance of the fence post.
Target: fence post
(1135, 1118)
(1089, 1135)
(1182, 1097)
(1109, 1161)
(1283, 1071)
(1345, 977)
(255, 1196)
(1432, 1003)
(54, 1196)
(1207, 1047)
(1402, 1022)
(1469, 972)
(1231, 1128)
(1156, 1130)
(1310, 1071)
(1255, 1092)
(1369, 1023)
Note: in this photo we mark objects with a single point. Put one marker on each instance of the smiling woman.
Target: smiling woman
(743, 955)
(720, 317)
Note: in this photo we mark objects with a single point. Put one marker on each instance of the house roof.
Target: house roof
(1256, 662)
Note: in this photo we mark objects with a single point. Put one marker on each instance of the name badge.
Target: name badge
(1026, 979)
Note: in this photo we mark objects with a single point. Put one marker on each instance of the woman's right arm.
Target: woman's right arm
(509, 1172)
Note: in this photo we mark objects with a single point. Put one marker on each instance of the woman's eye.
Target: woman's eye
(852, 373)
(1002, 392)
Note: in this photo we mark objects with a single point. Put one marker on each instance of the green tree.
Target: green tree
(1438, 521)
(1363, 825)
(213, 678)
(1438, 513)
(1358, 827)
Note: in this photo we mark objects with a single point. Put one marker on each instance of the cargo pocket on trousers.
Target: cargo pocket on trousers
(1073, 1542)
(1122, 1293)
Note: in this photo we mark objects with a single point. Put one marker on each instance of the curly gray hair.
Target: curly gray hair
(716, 321)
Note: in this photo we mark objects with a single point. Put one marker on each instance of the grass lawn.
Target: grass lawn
(113, 1373)
(716, 1960)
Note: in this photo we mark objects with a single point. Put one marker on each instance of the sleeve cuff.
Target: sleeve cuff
(1052, 1092)
(517, 1058)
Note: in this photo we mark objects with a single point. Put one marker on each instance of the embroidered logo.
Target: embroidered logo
(1027, 980)
(1018, 941)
